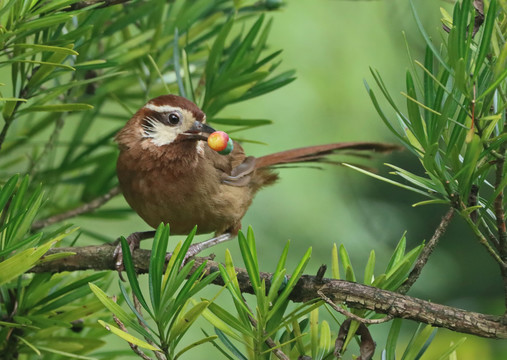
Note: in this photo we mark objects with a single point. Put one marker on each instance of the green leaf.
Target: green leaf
(119, 311)
(13, 99)
(128, 264)
(416, 122)
(231, 282)
(229, 345)
(194, 344)
(8, 190)
(127, 337)
(58, 108)
(296, 275)
(418, 342)
(427, 39)
(398, 253)
(22, 262)
(221, 325)
(35, 238)
(325, 338)
(54, 49)
(392, 339)
(347, 265)
(45, 70)
(184, 322)
(314, 332)
(69, 288)
(272, 84)
(368, 271)
(65, 354)
(156, 268)
(215, 54)
(43, 22)
(484, 46)
(243, 58)
(335, 267)
(446, 355)
(494, 85)
(240, 121)
(132, 307)
(228, 319)
(389, 181)
(250, 264)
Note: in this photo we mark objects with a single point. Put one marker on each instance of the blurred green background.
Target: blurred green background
(331, 44)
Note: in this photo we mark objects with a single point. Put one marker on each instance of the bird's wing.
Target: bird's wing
(236, 168)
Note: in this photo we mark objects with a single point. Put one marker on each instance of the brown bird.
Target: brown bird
(168, 173)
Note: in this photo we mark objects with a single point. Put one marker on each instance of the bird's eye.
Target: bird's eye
(174, 119)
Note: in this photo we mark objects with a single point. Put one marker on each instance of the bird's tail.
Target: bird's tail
(320, 153)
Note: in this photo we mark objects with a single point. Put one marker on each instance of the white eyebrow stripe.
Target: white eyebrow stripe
(161, 108)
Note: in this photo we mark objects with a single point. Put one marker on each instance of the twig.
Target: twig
(50, 144)
(4, 133)
(490, 233)
(139, 309)
(352, 294)
(483, 241)
(426, 252)
(351, 315)
(134, 347)
(23, 93)
(82, 209)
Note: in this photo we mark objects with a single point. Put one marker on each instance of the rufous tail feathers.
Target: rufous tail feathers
(319, 152)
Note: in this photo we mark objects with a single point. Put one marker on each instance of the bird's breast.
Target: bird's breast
(183, 194)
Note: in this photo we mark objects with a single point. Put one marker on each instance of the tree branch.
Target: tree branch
(352, 294)
(82, 209)
(426, 252)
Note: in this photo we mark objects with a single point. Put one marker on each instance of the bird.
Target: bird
(168, 173)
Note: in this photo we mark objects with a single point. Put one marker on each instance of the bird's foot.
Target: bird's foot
(133, 241)
(195, 249)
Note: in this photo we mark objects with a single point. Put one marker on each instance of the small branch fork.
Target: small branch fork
(338, 291)
(350, 315)
(269, 342)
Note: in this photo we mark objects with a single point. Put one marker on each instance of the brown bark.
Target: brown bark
(352, 294)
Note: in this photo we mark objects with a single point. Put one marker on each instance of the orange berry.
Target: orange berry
(218, 140)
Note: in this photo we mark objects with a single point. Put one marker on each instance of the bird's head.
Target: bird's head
(166, 120)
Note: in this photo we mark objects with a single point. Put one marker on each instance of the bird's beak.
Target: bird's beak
(199, 127)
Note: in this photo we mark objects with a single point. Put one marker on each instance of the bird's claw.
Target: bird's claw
(195, 249)
(133, 241)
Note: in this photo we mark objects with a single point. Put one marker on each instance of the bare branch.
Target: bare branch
(426, 252)
(352, 294)
(134, 347)
(82, 209)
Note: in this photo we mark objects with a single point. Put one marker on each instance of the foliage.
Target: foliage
(392, 278)
(455, 122)
(170, 298)
(40, 314)
(255, 329)
(77, 70)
